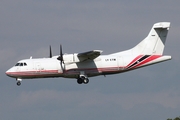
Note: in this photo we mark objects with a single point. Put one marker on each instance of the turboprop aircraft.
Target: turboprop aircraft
(81, 66)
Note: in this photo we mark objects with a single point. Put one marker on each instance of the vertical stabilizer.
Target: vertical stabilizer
(154, 43)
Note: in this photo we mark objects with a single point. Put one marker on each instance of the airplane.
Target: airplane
(81, 66)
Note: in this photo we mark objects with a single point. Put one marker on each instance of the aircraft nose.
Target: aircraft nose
(8, 72)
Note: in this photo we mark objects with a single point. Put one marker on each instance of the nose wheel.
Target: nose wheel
(18, 81)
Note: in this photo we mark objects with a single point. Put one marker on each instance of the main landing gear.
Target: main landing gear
(82, 79)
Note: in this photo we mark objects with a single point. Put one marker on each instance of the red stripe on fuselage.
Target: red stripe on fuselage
(151, 58)
(133, 61)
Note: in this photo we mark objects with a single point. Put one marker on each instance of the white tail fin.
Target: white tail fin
(154, 43)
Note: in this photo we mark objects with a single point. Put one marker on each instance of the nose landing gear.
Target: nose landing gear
(18, 81)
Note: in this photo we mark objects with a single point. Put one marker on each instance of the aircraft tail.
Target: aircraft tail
(154, 43)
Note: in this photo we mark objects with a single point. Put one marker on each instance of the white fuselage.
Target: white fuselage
(51, 67)
(102, 65)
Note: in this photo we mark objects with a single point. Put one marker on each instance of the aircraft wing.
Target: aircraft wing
(89, 55)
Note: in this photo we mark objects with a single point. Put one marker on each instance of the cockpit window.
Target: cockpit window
(25, 64)
(17, 64)
(21, 64)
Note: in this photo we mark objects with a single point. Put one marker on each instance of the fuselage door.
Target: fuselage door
(37, 66)
(120, 63)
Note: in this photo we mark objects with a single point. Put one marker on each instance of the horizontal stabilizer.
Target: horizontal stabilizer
(162, 25)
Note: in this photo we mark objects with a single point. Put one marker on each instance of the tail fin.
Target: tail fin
(154, 43)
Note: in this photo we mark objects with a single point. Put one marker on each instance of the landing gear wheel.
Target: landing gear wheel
(79, 81)
(18, 83)
(86, 81)
(82, 79)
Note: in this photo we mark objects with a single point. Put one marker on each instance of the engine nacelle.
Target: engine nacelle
(72, 58)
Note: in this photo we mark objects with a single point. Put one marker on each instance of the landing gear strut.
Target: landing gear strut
(82, 79)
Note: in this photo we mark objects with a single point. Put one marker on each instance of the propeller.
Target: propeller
(50, 52)
(60, 58)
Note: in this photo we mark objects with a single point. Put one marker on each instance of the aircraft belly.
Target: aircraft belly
(90, 68)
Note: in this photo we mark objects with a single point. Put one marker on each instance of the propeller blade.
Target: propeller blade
(50, 52)
(61, 54)
(60, 58)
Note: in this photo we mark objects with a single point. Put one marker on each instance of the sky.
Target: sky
(28, 27)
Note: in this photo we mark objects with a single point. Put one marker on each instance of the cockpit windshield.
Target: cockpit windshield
(21, 64)
(17, 64)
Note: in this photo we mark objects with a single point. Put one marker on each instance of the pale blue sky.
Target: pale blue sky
(28, 27)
